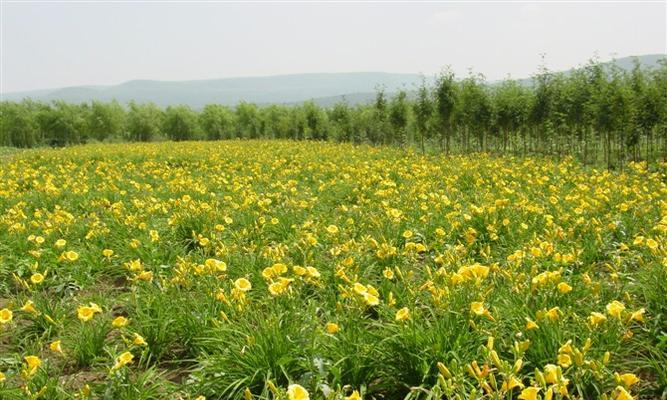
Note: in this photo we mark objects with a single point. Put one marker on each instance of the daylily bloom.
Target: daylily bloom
(477, 308)
(297, 392)
(242, 284)
(564, 360)
(627, 379)
(530, 324)
(29, 307)
(638, 315)
(86, 313)
(529, 393)
(119, 322)
(551, 373)
(6, 316)
(596, 318)
(37, 278)
(511, 383)
(122, 360)
(56, 347)
(33, 363)
(139, 340)
(564, 287)
(622, 394)
(146, 276)
(403, 314)
(354, 396)
(615, 308)
(332, 328)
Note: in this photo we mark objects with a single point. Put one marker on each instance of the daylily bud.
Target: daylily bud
(444, 371)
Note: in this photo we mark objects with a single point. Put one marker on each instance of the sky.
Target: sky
(58, 44)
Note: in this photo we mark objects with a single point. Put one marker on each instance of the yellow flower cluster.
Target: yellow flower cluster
(124, 257)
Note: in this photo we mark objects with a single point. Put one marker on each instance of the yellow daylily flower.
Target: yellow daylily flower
(628, 379)
(596, 318)
(56, 346)
(403, 314)
(139, 340)
(37, 278)
(242, 284)
(332, 328)
(354, 396)
(297, 392)
(6, 316)
(123, 360)
(529, 393)
(119, 322)
(615, 308)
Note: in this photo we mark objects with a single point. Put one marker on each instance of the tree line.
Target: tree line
(597, 113)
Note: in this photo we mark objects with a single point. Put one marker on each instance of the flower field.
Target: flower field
(283, 270)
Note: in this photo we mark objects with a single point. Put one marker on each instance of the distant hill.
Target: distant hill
(647, 61)
(323, 88)
(230, 91)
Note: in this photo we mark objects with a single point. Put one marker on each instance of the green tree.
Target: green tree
(378, 133)
(445, 101)
(511, 102)
(180, 123)
(217, 122)
(475, 110)
(18, 127)
(144, 121)
(657, 91)
(106, 120)
(64, 123)
(248, 123)
(541, 106)
(577, 117)
(273, 120)
(317, 122)
(363, 121)
(340, 117)
(423, 111)
(399, 113)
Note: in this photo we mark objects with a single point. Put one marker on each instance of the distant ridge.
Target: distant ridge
(323, 88)
(230, 91)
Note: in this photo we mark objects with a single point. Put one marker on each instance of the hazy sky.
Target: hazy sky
(48, 44)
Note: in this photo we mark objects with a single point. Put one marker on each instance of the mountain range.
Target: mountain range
(324, 89)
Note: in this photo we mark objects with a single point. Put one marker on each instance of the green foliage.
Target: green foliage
(107, 120)
(445, 94)
(217, 122)
(423, 112)
(63, 124)
(144, 122)
(398, 117)
(316, 121)
(180, 123)
(88, 344)
(598, 113)
(248, 124)
(18, 127)
(340, 117)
